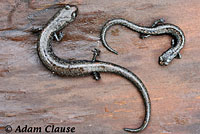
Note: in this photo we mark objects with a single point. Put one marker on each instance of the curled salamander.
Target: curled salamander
(64, 67)
(158, 28)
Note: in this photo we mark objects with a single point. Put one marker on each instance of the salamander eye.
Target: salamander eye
(74, 14)
(67, 7)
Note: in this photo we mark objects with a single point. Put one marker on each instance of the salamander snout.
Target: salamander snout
(163, 61)
(71, 8)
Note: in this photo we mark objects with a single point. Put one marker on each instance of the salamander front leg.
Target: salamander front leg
(173, 43)
(96, 52)
(58, 36)
(155, 24)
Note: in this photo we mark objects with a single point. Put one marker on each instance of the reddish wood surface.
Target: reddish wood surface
(31, 95)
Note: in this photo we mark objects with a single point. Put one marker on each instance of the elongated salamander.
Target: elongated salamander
(158, 28)
(83, 67)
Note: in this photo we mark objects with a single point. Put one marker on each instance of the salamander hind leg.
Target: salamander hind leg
(155, 24)
(158, 22)
(96, 53)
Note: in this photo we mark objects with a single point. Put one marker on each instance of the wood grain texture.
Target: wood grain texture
(31, 95)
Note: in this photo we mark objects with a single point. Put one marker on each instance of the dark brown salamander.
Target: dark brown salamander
(83, 67)
(158, 28)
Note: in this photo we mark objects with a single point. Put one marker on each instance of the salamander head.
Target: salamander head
(163, 61)
(167, 57)
(68, 13)
(72, 9)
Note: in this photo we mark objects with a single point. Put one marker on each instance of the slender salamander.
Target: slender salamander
(158, 28)
(83, 67)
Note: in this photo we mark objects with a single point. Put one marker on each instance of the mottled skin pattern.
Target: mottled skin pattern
(159, 28)
(83, 67)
